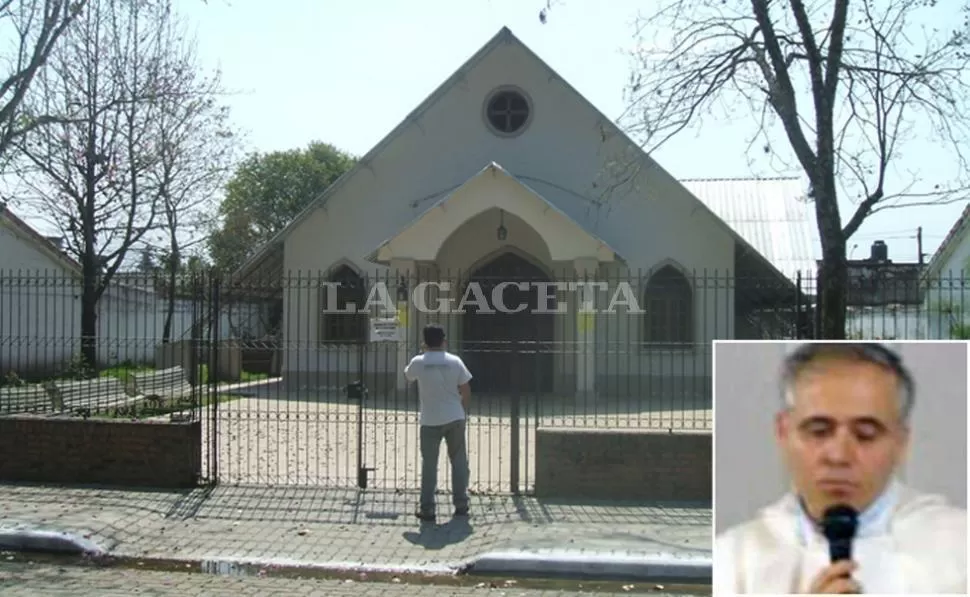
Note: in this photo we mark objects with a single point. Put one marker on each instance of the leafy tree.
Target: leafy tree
(264, 195)
(847, 84)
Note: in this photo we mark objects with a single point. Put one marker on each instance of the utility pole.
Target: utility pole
(919, 243)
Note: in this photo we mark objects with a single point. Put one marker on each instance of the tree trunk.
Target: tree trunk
(89, 320)
(172, 277)
(832, 281)
(90, 262)
(169, 315)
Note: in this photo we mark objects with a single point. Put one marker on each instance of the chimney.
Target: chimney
(880, 252)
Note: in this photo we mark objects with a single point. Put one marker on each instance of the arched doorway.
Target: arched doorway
(509, 349)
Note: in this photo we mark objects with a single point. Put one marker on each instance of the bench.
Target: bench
(164, 386)
(92, 395)
(25, 399)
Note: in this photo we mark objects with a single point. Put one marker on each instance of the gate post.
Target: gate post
(357, 390)
(213, 381)
(515, 415)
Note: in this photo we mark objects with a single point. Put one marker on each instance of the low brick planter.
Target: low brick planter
(97, 451)
(624, 464)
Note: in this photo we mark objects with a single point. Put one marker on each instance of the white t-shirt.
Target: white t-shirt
(438, 373)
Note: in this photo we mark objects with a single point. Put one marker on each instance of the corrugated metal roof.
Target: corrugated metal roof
(773, 214)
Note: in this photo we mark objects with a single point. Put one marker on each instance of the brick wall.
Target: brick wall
(108, 452)
(623, 464)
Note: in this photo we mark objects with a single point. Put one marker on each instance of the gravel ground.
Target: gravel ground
(301, 442)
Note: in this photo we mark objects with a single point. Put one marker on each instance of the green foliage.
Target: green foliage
(266, 192)
(960, 331)
(13, 380)
(79, 368)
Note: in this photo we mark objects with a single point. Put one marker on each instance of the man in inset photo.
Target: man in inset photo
(848, 524)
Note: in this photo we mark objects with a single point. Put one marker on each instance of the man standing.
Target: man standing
(444, 394)
(843, 431)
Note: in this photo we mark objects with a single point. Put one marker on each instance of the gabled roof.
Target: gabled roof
(504, 36)
(949, 244)
(494, 168)
(39, 241)
(773, 214)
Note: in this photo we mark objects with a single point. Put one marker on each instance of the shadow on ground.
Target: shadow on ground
(648, 398)
(437, 536)
(321, 505)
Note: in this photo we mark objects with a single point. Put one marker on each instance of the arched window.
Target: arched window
(669, 305)
(344, 321)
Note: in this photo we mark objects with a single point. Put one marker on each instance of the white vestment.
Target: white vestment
(908, 542)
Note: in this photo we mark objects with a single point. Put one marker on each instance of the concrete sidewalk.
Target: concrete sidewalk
(235, 530)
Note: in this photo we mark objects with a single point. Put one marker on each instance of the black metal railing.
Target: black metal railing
(291, 388)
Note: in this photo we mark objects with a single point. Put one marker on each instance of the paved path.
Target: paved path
(29, 580)
(228, 527)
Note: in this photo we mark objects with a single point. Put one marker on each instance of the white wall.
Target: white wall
(40, 313)
(34, 297)
(40, 323)
(131, 323)
(947, 298)
(911, 322)
(562, 156)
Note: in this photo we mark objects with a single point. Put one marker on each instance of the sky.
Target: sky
(346, 73)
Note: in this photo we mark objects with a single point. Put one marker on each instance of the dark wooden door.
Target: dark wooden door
(509, 350)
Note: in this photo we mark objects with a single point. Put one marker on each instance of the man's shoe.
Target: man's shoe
(424, 516)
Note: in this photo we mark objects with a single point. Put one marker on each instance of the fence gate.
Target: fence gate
(354, 424)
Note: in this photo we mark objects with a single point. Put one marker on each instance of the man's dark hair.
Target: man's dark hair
(869, 352)
(434, 335)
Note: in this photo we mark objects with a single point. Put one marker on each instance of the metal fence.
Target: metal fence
(297, 379)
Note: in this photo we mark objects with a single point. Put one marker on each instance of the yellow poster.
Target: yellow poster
(402, 315)
(585, 322)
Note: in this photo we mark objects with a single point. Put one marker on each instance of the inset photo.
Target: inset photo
(840, 467)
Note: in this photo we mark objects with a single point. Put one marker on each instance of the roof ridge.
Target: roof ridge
(944, 246)
(40, 239)
(738, 178)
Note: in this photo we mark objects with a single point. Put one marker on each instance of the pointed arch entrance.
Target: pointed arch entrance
(509, 348)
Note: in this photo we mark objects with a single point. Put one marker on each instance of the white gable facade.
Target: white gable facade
(448, 196)
(36, 291)
(945, 306)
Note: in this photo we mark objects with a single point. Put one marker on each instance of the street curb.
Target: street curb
(248, 566)
(510, 564)
(48, 541)
(594, 565)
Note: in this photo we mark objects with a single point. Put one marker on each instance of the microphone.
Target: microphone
(839, 526)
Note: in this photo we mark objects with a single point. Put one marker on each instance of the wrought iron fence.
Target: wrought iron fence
(297, 378)
(144, 355)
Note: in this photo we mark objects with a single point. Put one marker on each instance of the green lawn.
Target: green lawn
(124, 373)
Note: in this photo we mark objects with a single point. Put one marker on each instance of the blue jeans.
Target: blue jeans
(454, 435)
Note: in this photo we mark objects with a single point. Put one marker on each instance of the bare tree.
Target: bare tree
(196, 151)
(851, 84)
(35, 26)
(92, 177)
